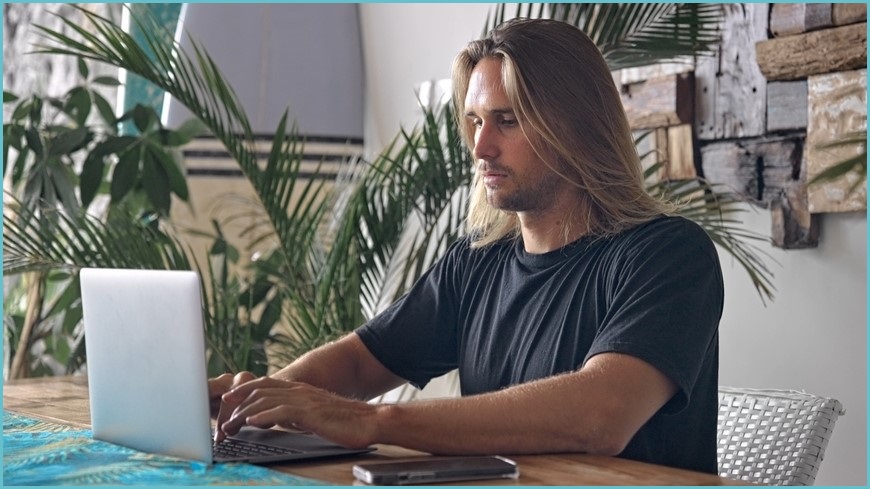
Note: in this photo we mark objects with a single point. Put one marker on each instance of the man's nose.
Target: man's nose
(485, 142)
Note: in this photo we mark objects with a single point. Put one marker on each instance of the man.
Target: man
(581, 319)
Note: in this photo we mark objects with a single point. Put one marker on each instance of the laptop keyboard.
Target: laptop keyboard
(232, 448)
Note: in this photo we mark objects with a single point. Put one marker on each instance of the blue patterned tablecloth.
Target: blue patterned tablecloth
(42, 453)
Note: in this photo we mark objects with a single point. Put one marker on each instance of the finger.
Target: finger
(226, 407)
(242, 378)
(242, 389)
(216, 388)
(220, 384)
(250, 411)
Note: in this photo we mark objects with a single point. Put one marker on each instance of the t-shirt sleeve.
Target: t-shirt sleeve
(416, 337)
(665, 298)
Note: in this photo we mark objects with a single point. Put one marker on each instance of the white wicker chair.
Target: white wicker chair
(773, 437)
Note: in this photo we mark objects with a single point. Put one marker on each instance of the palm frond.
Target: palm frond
(59, 240)
(634, 34)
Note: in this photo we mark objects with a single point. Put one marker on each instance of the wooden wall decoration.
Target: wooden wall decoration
(795, 18)
(660, 102)
(787, 106)
(761, 107)
(731, 91)
(837, 106)
(813, 53)
(664, 105)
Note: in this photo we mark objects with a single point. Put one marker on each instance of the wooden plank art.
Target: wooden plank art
(661, 101)
(730, 91)
(675, 146)
(787, 19)
(848, 13)
(813, 53)
(792, 226)
(795, 18)
(786, 105)
(837, 106)
(757, 169)
(767, 171)
(681, 153)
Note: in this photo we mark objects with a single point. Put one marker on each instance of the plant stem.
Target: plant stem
(35, 294)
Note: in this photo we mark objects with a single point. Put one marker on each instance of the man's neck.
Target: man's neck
(542, 234)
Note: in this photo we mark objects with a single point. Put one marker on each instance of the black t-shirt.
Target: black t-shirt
(503, 317)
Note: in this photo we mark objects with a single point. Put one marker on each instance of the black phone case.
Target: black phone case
(432, 470)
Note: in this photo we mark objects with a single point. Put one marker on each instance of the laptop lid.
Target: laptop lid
(146, 368)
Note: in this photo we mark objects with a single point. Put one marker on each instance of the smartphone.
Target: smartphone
(430, 470)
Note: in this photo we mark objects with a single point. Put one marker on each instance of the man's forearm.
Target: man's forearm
(595, 410)
(343, 367)
(533, 418)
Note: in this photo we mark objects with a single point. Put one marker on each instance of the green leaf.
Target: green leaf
(156, 182)
(13, 135)
(255, 293)
(125, 175)
(69, 141)
(83, 67)
(71, 318)
(116, 144)
(35, 110)
(10, 141)
(34, 141)
(271, 315)
(70, 294)
(185, 133)
(219, 247)
(105, 109)
(91, 177)
(20, 166)
(62, 183)
(22, 110)
(232, 253)
(108, 81)
(171, 162)
(9, 97)
(78, 105)
(143, 117)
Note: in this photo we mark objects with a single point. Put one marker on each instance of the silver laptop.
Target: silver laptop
(147, 372)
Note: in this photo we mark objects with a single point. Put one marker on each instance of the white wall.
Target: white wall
(404, 45)
(812, 337)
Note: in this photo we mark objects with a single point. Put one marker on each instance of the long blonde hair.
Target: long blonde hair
(563, 94)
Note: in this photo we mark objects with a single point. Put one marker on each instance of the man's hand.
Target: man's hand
(266, 402)
(219, 386)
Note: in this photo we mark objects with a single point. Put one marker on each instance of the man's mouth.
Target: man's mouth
(492, 175)
(493, 178)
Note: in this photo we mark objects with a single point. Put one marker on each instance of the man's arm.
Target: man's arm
(596, 409)
(344, 367)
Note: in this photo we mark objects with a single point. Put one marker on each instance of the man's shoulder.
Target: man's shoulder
(668, 226)
(675, 234)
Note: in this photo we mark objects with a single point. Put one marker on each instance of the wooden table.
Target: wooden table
(65, 400)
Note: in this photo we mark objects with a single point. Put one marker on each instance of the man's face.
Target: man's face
(516, 179)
